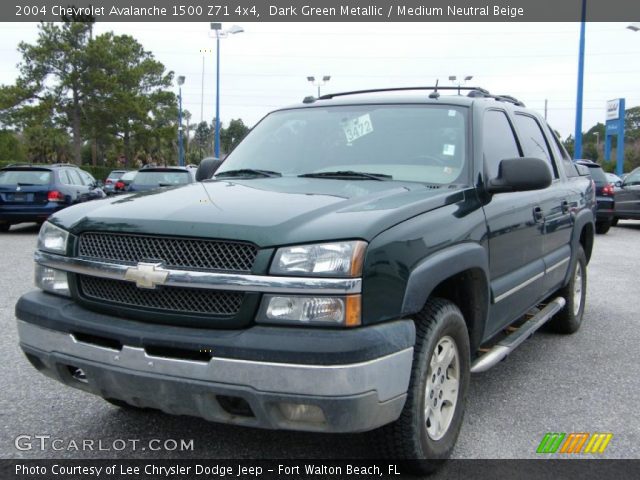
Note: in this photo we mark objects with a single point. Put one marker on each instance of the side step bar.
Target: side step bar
(499, 351)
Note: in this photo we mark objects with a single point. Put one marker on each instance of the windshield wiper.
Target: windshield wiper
(348, 174)
(25, 184)
(248, 172)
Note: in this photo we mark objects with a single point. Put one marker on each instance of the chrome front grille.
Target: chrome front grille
(173, 252)
(171, 300)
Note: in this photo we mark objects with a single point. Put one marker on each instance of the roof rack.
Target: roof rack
(329, 96)
(474, 92)
(481, 93)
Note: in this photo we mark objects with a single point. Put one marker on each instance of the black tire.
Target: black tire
(569, 319)
(603, 227)
(4, 227)
(614, 222)
(407, 440)
(207, 168)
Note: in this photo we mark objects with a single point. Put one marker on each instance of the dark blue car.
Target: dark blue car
(30, 193)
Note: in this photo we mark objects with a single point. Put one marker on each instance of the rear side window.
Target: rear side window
(64, 177)
(532, 140)
(75, 178)
(86, 178)
(498, 140)
(25, 177)
(598, 176)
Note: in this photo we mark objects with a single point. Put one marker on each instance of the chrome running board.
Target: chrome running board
(503, 348)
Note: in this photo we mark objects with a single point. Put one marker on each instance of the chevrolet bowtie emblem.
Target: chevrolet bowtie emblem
(147, 275)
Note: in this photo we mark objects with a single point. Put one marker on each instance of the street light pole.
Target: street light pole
(180, 149)
(217, 136)
(577, 154)
(319, 83)
(217, 27)
(454, 79)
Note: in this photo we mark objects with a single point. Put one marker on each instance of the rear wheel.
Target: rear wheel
(569, 319)
(603, 227)
(4, 227)
(426, 432)
(614, 222)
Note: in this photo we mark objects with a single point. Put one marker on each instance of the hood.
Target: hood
(266, 212)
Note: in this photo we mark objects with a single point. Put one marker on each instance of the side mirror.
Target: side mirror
(207, 168)
(99, 184)
(520, 175)
(618, 184)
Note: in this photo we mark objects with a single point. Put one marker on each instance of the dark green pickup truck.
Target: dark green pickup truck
(345, 269)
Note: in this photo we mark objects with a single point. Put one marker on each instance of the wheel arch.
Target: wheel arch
(459, 274)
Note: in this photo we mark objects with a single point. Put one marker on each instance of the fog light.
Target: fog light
(299, 412)
(52, 280)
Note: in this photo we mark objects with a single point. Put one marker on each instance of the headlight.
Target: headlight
(339, 259)
(52, 280)
(341, 311)
(52, 239)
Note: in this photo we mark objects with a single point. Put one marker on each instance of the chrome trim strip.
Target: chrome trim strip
(287, 378)
(518, 287)
(209, 280)
(557, 265)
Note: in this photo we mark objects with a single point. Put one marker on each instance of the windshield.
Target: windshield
(161, 178)
(128, 176)
(25, 177)
(115, 175)
(421, 143)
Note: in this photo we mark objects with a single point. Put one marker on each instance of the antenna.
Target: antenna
(435, 93)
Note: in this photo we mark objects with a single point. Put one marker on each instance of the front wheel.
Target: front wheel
(428, 427)
(4, 227)
(614, 222)
(569, 319)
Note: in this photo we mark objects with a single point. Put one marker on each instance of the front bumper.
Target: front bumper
(358, 395)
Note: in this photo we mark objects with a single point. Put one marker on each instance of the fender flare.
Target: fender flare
(582, 218)
(436, 268)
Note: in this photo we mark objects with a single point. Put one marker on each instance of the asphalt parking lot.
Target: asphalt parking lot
(587, 382)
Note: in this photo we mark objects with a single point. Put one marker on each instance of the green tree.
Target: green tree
(569, 144)
(203, 140)
(128, 94)
(632, 123)
(231, 136)
(590, 152)
(52, 69)
(11, 148)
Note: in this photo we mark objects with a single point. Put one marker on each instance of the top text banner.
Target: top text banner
(320, 10)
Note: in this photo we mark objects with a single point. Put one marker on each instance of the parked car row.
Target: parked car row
(31, 193)
(617, 199)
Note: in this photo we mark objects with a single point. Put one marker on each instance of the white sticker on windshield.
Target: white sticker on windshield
(452, 113)
(449, 150)
(357, 127)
